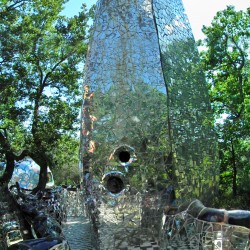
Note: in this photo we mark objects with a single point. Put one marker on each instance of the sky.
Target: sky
(199, 12)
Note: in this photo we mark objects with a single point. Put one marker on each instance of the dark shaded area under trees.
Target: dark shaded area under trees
(41, 56)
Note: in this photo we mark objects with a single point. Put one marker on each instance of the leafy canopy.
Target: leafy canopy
(226, 63)
(41, 59)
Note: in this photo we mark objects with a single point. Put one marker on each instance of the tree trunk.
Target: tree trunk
(10, 158)
(41, 159)
(234, 167)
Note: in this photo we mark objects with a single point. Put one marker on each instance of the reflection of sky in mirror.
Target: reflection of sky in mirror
(125, 48)
(199, 12)
(172, 22)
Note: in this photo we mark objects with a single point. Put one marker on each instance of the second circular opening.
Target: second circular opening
(115, 184)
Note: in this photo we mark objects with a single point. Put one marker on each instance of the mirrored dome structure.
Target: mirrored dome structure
(147, 139)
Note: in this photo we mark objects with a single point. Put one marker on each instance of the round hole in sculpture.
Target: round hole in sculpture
(124, 156)
(115, 184)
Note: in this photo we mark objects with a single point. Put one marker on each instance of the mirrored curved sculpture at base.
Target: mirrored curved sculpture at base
(146, 121)
(200, 227)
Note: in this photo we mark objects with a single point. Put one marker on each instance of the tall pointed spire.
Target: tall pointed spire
(146, 120)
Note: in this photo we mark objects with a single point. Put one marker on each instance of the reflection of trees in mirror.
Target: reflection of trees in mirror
(190, 116)
(131, 120)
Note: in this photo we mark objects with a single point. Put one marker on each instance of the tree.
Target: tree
(226, 63)
(66, 161)
(41, 54)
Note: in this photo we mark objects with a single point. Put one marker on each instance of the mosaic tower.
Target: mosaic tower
(146, 128)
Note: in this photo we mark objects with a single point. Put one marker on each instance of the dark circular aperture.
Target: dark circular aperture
(124, 156)
(115, 184)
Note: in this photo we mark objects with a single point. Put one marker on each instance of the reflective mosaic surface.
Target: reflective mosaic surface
(183, 230)
(198, 227)
(146, 122)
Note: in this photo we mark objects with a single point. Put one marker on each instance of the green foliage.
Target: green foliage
(226, 63)
(41, 59)
(66, 161)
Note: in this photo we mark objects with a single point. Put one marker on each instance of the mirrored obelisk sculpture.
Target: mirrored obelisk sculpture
(147, 139)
